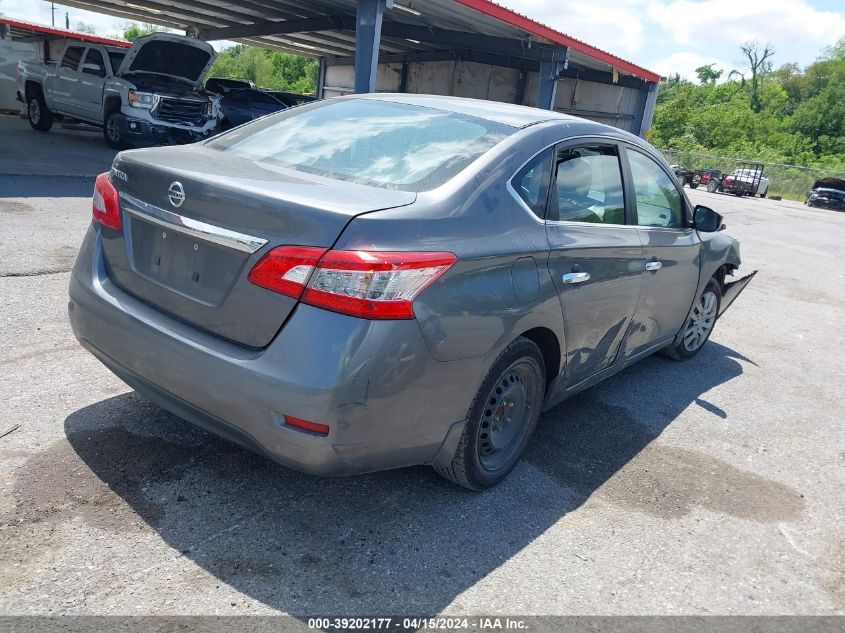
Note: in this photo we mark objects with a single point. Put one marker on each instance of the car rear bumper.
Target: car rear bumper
(387, 402)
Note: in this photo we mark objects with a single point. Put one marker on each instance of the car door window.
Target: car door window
(72, 57)
(659, 202)
(587, 185)
(94, 56)
(531, 183)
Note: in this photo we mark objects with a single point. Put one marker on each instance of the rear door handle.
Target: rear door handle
(653, 265)
(575, 278)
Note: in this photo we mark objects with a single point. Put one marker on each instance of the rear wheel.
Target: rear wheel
(693, 185)
(712, 186)
(501, 419)
(40, 118)
(763, 195)
(699, 324)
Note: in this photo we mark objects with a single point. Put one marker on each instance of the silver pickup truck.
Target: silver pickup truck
(150, 94)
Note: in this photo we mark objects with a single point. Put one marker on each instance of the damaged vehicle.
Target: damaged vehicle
(378, 281)
(827, 193)
(149, 95)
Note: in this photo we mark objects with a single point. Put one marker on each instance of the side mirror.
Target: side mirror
(706, 219)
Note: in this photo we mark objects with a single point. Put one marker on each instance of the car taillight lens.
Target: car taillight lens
(105, 207)
(367, 284)
(286, 269)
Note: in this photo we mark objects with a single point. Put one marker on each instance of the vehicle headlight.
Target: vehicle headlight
(144, 100)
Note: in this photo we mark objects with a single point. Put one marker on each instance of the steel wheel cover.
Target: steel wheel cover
(507, 415)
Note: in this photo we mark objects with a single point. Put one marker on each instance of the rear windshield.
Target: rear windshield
(393, 145)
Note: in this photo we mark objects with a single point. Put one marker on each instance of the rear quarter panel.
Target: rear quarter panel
(488, 297)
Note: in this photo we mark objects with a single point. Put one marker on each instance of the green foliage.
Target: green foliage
(267, 69)
(82, 27)
(132, 32)
(707, 74)
(789, 115)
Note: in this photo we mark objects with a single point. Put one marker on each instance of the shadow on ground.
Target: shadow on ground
(399, 541)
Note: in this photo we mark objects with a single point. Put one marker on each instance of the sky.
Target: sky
(666, 37)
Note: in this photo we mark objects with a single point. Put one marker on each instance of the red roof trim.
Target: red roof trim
(541, 30)
(75, 35)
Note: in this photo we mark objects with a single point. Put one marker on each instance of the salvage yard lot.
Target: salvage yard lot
(707, 487)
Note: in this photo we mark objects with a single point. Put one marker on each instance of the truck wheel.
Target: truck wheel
(699, 324)
(693, 185)
(112, 131)
(40, 118)
(763, 195)
(501, 419)
(712, 186)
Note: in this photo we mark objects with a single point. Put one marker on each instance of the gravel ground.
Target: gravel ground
(707, 487)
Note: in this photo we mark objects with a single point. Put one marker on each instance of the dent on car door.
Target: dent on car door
(594, 258)
(671, 249)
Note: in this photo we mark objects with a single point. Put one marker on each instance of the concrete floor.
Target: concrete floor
(707, 487)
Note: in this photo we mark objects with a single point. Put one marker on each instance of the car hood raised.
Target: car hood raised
(170, 55)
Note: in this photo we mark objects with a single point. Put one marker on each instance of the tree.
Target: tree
(707, 74)
(82, 27)
(132, 31)
(268, 69)
(836, 51)
(759, 65)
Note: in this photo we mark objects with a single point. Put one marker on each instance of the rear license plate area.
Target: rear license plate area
(184, 264)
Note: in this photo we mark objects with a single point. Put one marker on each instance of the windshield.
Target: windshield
(394, 145)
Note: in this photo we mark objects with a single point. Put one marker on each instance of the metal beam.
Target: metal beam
(553, 62)
(463, 39)
(368, 25)
(283, 27)
(603, 77)
(442, 56)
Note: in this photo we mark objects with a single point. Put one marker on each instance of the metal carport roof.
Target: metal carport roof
(326, 28)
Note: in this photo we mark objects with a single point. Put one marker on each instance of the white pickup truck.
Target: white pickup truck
(150, 94)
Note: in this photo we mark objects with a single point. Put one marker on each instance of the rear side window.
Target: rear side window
(532, 182)
(93, 56)
(588, 186)
(72, 57)
(658, 199)
(382, 143)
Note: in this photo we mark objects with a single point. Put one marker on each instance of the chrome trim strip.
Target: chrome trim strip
(200, 230)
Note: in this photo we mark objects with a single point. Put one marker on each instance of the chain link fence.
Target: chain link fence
(787, 181)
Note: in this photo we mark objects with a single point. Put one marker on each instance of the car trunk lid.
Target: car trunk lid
(196, 220)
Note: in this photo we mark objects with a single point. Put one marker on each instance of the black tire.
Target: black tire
(517, 380)
(112, 131)
(712, 186)
(682, 351)
(693, 185)
(40, 117)
(763, 195)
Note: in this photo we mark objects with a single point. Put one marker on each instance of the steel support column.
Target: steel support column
(552, 63)
(367, 39)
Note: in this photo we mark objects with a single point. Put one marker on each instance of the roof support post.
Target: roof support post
(367, 39)
(552, 63)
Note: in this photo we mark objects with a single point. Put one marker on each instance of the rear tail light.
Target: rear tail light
(105, 207)
(368, 284)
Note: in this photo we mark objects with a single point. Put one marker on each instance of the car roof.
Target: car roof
(507, 113)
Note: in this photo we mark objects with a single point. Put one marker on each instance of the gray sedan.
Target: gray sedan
(387, 280)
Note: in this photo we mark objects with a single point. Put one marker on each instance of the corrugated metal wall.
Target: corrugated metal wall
(609, 104)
